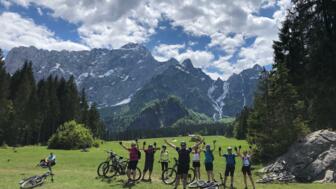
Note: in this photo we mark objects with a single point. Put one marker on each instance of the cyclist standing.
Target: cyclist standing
(246, 169)
(164, 158)
(183, 161)
(230, 164)
(149, 160)
(134, 156)
(196, 162)
(208, 162)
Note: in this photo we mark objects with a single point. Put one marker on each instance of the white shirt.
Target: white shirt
(246, 160)
(196, 157)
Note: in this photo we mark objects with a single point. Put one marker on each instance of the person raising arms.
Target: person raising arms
(246, 169)
(230, 164)
(196, 162)
(164, 158)
(134, 156)
(149, 159)
(183, 161)
(208, 161)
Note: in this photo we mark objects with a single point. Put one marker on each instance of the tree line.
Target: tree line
(30, 111)
(299, 94)
(183, 129)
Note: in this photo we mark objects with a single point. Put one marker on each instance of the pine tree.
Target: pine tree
(6, 108)
(94, 123)
(240, 124)
(84, 108)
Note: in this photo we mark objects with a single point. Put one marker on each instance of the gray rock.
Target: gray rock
(116, 77)
(312, 159)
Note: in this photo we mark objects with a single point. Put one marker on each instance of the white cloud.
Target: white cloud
(112, 23)
(6, 3)
(19, 31)
(228, 43)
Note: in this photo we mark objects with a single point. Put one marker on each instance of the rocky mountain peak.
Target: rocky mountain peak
(133, 46)
(257, 67)
(188, 64)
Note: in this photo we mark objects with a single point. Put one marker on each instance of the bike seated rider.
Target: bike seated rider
(49, 161)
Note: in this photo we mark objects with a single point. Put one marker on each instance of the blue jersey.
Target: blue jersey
(230, 159)
(208, 156)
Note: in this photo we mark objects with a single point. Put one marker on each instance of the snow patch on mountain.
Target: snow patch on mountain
(125, 101)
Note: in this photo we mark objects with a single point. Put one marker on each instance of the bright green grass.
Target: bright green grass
(77, 170)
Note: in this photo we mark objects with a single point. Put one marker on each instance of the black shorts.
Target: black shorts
(164, 166)
(246, 170)
(182, 169)
(196, 164)
(132, 165)
(148, 166)
(229, 171)
(208, 166)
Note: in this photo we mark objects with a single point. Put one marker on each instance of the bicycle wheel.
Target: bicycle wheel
(138, 174)
(191, 176)
(169, 176)
(32, 182)
(101, 167)
(109, 171)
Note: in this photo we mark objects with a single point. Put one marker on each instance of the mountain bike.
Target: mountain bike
(169, 175)
(35, 181)
(207, 185)
(115, 165)
(102, 166)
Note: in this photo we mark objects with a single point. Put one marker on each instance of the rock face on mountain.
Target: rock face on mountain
(131, 76)
(230, 96)
(110, 77)
(312, 159)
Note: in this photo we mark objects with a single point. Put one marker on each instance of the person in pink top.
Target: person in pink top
(133, 159)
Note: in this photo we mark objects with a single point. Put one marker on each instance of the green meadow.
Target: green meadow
(77, 170)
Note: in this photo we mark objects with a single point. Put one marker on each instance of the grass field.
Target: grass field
(77, 170)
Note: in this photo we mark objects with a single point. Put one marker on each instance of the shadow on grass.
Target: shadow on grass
(113, 182)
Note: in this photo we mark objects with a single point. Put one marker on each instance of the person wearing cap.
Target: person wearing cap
(149, 159)
(208, 161)
(183, 161)
(230, 164)
(133, 160)
(164, 158)
(246, 169)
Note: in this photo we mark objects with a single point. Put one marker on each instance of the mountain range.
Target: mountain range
(129, 77)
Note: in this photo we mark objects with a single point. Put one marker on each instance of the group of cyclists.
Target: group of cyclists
(183, 166)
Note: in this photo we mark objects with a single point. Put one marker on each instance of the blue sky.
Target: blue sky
(221, 37)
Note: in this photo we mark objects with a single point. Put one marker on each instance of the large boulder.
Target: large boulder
(312, 159)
